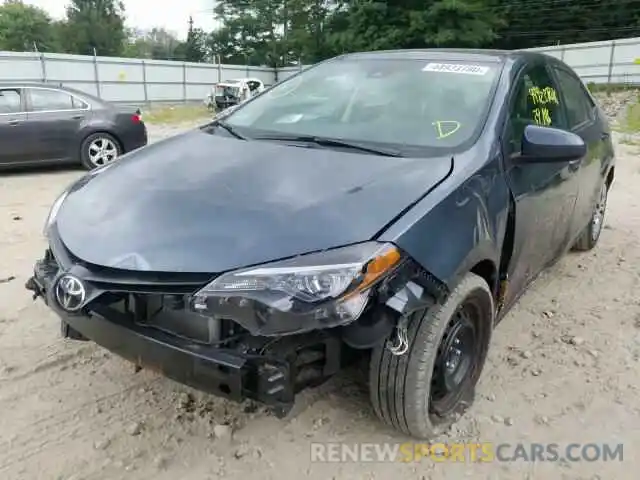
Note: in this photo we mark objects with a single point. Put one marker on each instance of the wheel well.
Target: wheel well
(487, 270)
(507, 245)
(610, 177)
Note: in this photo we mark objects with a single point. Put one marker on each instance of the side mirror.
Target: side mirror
(547, 144)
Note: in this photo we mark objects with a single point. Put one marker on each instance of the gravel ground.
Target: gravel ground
(563, 368)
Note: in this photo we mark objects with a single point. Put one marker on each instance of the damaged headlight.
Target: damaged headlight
(329, 288)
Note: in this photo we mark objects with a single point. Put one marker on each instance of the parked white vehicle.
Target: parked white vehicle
(232, 92)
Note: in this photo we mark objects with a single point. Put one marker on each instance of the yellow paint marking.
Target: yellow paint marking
(446, 128)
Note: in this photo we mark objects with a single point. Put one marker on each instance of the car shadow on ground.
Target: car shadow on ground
(19, 171)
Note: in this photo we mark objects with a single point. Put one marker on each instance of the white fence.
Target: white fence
(286, 72)
(612, 61)
(129, 80)
(125, 80)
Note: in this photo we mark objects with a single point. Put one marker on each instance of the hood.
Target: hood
(206, 203)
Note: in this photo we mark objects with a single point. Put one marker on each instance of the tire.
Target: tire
(404, 389)
(589, 237)
(99, 149)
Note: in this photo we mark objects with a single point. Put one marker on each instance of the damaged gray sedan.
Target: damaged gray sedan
(390, 206)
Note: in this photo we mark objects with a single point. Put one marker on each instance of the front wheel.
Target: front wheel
(99, 149)
(589, 237)
(422, 392)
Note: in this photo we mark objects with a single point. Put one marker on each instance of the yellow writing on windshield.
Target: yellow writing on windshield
(541, 116)
(543, 96)
(446, 128)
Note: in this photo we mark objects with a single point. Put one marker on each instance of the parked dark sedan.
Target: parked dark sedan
(41, 123)
(259, 254)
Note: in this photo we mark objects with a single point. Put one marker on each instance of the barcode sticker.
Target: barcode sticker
(456, 68)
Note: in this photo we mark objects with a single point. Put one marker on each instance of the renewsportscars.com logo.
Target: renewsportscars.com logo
(466, 452)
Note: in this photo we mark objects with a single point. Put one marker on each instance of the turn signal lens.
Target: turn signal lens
(377, 267)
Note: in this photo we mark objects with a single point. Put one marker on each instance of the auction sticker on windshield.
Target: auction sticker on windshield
(456, 68)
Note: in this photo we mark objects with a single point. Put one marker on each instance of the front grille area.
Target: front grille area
(158, 300)
(121, 280)
(170, 314)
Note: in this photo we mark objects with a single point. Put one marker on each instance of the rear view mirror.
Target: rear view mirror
(547, 144)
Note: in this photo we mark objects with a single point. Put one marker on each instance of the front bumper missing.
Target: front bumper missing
(225, 372)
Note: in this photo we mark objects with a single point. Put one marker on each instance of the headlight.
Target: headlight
(317, 290)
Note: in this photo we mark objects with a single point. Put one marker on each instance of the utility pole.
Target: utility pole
(189, 53)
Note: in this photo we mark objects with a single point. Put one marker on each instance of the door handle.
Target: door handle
(78, 117)
(13, 123)
(605, 135)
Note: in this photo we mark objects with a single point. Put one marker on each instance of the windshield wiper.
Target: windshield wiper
(331, 142)
(229, 129)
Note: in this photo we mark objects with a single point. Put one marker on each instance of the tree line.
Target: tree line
(93, 26)
(286, 32)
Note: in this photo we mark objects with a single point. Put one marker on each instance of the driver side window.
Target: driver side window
(536, 102)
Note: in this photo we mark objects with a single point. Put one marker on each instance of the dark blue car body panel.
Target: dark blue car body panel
(212, 203)
(132, 244)
(468, 215)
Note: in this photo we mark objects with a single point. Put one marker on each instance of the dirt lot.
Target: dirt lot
(563, 368)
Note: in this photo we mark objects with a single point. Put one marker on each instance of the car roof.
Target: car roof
(79, 93)
(243, 79)
(462, 54)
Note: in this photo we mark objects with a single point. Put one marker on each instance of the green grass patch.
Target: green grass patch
(175, 114)
(609, 88)
(631, 120)
(630, 141)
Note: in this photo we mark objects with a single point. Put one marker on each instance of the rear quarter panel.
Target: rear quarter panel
(130, 135)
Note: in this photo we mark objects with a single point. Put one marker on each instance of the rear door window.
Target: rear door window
(43, 100)
(10, 101)
(579, 106)
(78, 104)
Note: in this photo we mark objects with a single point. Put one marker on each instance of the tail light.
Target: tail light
(136, 118)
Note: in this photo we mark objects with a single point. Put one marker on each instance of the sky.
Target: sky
(146, 14)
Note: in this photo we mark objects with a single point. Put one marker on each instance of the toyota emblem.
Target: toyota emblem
(70, 293)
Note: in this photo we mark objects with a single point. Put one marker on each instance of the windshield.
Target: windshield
(402, 102)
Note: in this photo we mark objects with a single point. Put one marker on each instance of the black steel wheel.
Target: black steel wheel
(422, 392)
(456, 357)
